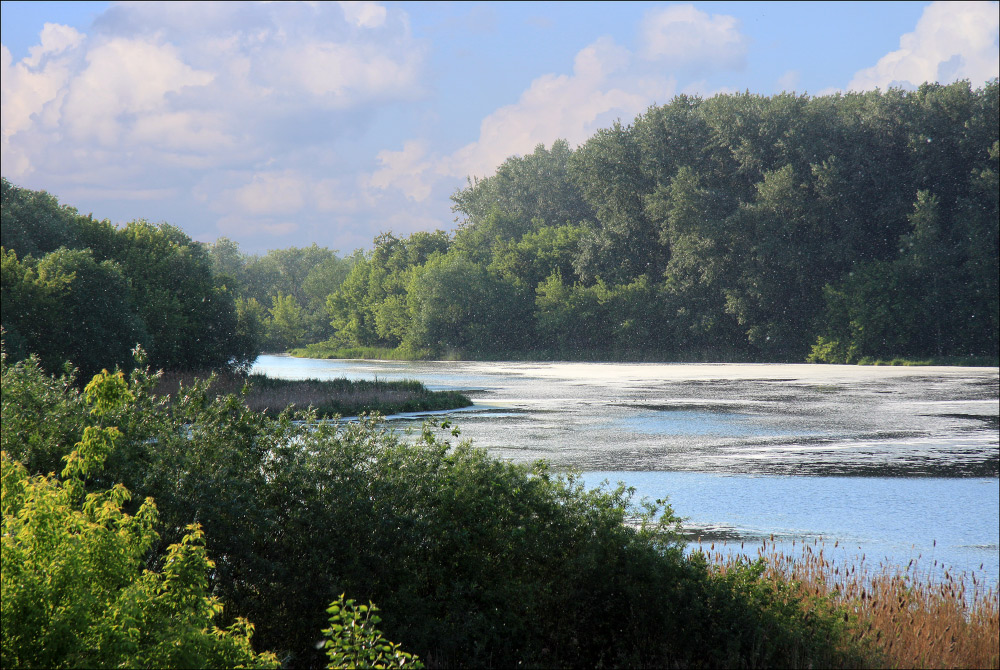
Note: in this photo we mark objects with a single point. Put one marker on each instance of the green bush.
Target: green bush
(75, 591)
(353, 641)
(473, 561)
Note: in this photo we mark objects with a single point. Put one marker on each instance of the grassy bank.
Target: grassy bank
(342, 397)
(327, 350)
(960, 361)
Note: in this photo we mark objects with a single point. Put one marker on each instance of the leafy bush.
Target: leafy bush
(474, 561)
(75, 591)
(353, 641)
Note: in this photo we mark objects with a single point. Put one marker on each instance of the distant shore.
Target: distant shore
(324, 350)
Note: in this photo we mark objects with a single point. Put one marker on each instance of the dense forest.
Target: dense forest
(742, 227)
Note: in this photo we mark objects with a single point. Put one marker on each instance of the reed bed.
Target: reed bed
(342, 397)
(903, 617)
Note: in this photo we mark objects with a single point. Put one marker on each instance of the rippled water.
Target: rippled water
(893, 461)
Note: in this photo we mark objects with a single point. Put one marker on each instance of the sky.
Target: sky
(280, 124)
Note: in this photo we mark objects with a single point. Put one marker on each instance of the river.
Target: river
(887, 462)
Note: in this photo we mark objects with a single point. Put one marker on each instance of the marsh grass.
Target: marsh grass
(342, 397)
(908, 617)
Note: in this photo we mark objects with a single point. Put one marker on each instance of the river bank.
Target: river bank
(328, 351)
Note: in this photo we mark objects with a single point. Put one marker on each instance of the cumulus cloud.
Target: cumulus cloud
(27, 87)
(237, 106)
(570, 107)
(269, 193)
(124, 78)
(684, 36)
(409, 170)
(952, 41)
(244, 109)
(203, 84)
(608, 82)
(364, 14)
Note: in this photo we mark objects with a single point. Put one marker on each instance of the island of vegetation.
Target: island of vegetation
(154, 518)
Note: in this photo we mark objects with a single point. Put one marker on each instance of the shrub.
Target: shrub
(75, 591)
(474, 561)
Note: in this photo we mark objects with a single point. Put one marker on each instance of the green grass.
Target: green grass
(328, 350)
(960, 361)
(343, 397)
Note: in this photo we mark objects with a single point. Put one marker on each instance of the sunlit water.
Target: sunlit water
(891, 462)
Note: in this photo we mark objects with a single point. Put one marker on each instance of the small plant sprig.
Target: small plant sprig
(354, 641)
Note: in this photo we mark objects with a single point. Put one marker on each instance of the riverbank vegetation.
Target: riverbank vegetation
(327, 398)
(473, 562)
(843, 228)
(913, 617)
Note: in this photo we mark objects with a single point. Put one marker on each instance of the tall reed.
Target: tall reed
(905, 617)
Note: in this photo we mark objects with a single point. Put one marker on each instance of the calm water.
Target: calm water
(889, 462)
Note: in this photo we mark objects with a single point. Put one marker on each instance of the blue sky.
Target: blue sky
(283, 124)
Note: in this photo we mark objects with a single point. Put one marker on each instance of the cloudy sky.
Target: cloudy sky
(282, 124)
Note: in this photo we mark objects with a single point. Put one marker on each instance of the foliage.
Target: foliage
(354, 641)
(473, 561)
(745, 226)
(756, 225)
(75, 590)
(68, 302)
(80, 289)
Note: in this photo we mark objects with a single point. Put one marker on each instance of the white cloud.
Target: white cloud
(364, 14)
(201, 85)
(684, 36)
(789, 81)
(124, 78)
(54, 39)
(570, 107)
(343, 75)
(409, 170)
(29, 86)
(952, 41)
(268, 193)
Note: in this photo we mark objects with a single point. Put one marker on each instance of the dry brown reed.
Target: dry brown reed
(329, 397)
(907, 617)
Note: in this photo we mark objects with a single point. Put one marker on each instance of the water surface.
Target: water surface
(890, 461)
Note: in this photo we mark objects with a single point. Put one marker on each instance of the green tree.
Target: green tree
(67, 305)
(456, 304)
(621, 243)
(286, 325)
(532, 191)
(34, 223)
(75, 589)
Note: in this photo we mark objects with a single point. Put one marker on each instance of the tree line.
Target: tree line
(80, 289)
(833, 228)
(758, 227)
